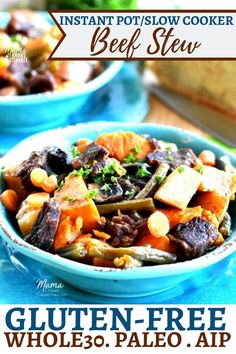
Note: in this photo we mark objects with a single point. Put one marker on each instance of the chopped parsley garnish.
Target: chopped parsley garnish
(108, 169)
(143, 172)
(159, 179)
(168, 148)
(84, 172)
(105, 187)
(75, 173)
(130, 158)
(3, 168)
(136, 149)
(113, 179)
(181, 169)
(61, 184)
(130, 193)
(74, 151)
(170, 158)
(92, 193)
(16, 38)
(200, 169)
(68, 199)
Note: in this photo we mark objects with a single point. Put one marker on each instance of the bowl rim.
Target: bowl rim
(99, 81)
(15, 240)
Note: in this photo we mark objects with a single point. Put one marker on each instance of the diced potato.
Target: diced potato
(26, 217)
(36, 200)
(29, 210)
(179, 187)
(214, 179)
(27, 221)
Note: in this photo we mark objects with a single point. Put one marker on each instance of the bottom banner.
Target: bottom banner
(133, 328)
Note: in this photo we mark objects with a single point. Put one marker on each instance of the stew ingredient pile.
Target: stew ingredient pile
(125, 200)
(25, 45)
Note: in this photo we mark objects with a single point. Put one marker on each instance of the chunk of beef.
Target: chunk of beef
(97, 168)
(101, 224)
(45, 226)
(51, 159)
(194, 237)
(16, 76)
(58, 160)
(18, 25)
(27, 23)
(153, 141)
(41, 82)
(173, 158)
(142, 227)
(133, 167)
(109, 193)
(129, 189)
(94, 152)
(19, 69)
(139, 182)
(36, 159)
(122, 229)
(4, 82)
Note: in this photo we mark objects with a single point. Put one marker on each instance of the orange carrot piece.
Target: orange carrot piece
(161, 243)
(177, 216)
(82, 144)
(87, 210)
(101, 234)
(120, 144)
(66, 233)
(10, 200)
(220, 239)
(100, 262)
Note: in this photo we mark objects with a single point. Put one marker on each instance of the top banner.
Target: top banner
(139, 35)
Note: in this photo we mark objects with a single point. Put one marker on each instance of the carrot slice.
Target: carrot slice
(162, 243)
(120, 144)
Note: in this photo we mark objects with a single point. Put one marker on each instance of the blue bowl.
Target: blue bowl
(36, 112)
(29, 114)
(108, 281)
